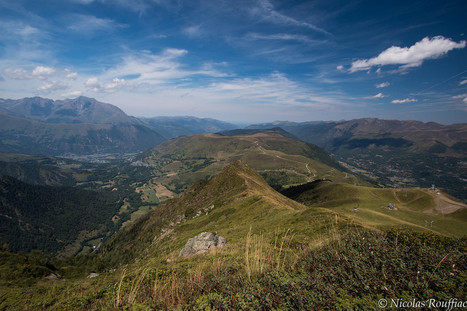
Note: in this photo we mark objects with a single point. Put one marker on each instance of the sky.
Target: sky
(244, 61)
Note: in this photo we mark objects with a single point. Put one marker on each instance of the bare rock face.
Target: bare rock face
(202, 243)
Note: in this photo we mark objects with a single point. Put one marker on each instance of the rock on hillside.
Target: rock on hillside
(202, 243)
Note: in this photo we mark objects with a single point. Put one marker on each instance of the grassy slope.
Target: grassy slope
(414, 206)
(280, 254)
(229, 203)
(282, 161)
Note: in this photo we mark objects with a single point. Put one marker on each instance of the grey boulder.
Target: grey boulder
(202, 243)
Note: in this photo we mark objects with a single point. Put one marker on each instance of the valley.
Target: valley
(393, 153)
(101, 227)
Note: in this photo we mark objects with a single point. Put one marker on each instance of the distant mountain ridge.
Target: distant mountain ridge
(21, 135)
(79, 110)
(392, 152)
(331, 134)
(272, 131)
(83, 126)
(171, 127)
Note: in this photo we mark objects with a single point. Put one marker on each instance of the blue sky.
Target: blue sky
(242, 61)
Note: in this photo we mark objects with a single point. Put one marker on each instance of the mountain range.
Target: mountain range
(305, 228)
(172, 127)
(81, 110)
(85, 126)
(393, 153)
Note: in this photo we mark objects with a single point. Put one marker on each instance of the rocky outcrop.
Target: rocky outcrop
(93, 275)
(202, 243)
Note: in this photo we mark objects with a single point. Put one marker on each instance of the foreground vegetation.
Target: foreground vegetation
(353, 269)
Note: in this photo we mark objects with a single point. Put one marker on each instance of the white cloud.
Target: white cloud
(340, 68)
(268, 97)
(460, 96)
(42, 72)
(17, 73)
(92, 82)
(50, 86)
(463, 98)
(379, 95)
(193, 31)
(403, 101)
(463, 82)
(165, 68)
(381, 85)
(105, 87)
(72, 75)
(410, 56)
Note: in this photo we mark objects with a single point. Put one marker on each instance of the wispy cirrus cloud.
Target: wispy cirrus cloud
(193, 31)
(266, 11)
(273, 96)
(403, 101)
(18, 30)
(89, 24)
(463, 82)
(413, 56)
(139, 70)
(17, 73)
(282, 37)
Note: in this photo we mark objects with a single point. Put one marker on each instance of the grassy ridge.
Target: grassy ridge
(280, 255)
(419, 209)
(281, 160)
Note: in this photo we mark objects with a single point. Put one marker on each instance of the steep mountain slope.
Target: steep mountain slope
(171, 127)
(37, 170)
(395, 153)
(281, 160)
(279, 255)
(52, 219)
(79, 110)
(382, 208)
(20, 135)
(229, 203)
